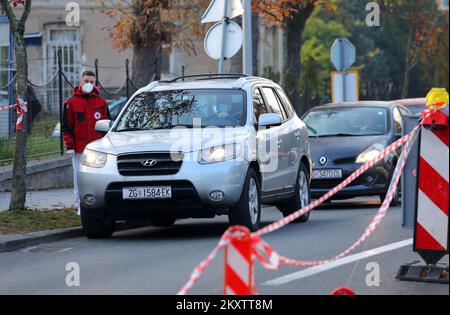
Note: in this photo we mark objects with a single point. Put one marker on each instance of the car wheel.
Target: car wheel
(163, 222)
(247, 212)
(96, 226)
(395, 201)
(301, 197)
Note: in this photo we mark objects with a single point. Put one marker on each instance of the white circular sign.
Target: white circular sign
(233, 41)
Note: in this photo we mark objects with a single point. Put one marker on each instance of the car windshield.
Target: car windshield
(347, 121)
(188, 108)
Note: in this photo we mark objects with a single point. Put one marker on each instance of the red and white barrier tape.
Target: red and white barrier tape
(271, 260)
(21, 110)
(8, 107)
(21, 107)
(200, 269)
(383, 154)
(277, 260)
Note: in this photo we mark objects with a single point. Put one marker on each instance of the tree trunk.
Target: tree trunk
(144, 65)
(411, 61)
(294, 28)
(147, 46)
(18, 181)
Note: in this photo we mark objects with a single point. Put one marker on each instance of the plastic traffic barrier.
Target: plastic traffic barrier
(431, 235)
(239, 278)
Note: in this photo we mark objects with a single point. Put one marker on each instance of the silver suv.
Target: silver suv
(196, 147)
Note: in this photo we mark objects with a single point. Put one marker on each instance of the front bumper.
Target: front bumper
(374, 182)
(191, 187)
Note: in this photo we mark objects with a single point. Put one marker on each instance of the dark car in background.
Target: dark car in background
(116, 106)
(345, 136)
(416, 105)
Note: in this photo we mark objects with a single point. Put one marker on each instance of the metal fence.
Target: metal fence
(46, 108)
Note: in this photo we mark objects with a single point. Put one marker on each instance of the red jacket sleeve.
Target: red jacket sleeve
(67, 127)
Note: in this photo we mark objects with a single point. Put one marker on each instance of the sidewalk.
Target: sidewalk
(47, 199)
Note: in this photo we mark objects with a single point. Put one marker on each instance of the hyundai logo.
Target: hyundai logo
(149, 163)
(323, 160)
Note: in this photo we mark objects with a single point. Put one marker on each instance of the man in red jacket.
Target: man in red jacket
(81, 112)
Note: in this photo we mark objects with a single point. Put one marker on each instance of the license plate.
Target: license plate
(140, 193)
(326, 174)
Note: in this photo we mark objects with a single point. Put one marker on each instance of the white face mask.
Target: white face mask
(87, 88)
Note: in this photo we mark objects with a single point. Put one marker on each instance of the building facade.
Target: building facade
(47, 33)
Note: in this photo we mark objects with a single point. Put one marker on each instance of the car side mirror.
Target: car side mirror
(270, 120)
(103, 126)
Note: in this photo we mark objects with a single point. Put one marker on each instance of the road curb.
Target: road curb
(9, 243)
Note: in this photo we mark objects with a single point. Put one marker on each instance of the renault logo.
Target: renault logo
(149, 163)
(323, 160)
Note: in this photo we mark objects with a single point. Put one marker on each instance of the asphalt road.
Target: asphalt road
(159, 260)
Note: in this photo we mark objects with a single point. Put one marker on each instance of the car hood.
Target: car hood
(345, 149)
(180, 140)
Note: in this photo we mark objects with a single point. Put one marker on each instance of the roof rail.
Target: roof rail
(241, 81)
(208, 76)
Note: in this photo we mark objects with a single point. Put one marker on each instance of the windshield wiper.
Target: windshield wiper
(337, 135)
(312, 129)
(130, 129)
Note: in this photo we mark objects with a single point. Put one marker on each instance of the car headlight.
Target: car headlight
(219, 154)
(370, 153)
(93, 159)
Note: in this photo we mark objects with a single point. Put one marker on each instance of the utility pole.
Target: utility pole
(225, 22)
(248, 41)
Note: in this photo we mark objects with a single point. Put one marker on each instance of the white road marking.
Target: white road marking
(343, 261)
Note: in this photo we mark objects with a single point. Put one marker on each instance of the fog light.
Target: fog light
(89, 200)
(217, 195)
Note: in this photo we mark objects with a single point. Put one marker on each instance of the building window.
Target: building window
(66, 40)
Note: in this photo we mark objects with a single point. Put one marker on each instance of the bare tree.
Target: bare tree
(17, 27)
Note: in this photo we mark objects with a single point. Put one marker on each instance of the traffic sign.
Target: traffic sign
(233, 40)
(343, 54)
(215, 11)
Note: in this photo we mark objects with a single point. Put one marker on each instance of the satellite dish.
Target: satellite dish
(213, 40)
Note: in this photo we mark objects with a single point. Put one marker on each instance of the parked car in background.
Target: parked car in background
(345, 136)
(158, 163)
(116, 106)
(414, 105)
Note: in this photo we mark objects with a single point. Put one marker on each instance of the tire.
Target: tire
(96, 226)
(247, 211)
(163, 222)
(301, 198)
(395, 201)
